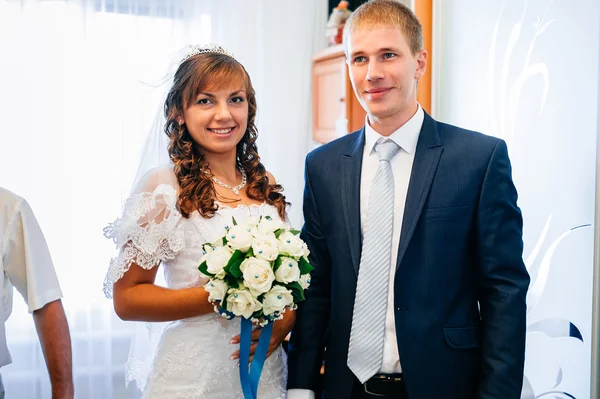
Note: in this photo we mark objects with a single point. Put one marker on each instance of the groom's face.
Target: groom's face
(383, 70)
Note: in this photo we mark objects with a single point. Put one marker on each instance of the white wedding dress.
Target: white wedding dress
(187, 358)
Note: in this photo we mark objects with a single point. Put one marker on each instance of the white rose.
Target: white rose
(291, 245)
(242, 303)
(258, 275)
(207, 248)
(288, 271)
(217, 259)
(252, 221)
(276, 300)
(240, 237)
(305, 251)
(205, 251)
(265, 247)
(269, 225)
(216, 289)
(304, 281)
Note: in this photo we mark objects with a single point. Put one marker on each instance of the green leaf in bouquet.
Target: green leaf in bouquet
(234, 221)
(224, 240)
(204, 269)
(234, 269)
(278, 232)
(250, 253)
(295, 232)
(234, 258)
(268, 217)
(231, 281)
(297, 291)
(304, 266)
(277, 264)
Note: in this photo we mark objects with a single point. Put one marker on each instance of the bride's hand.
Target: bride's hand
(281, 329)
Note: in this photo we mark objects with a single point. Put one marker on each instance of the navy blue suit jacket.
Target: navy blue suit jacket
(460, 282)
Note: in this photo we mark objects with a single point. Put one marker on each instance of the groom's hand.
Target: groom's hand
(281, 329)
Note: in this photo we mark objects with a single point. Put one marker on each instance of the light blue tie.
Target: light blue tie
(365, 352)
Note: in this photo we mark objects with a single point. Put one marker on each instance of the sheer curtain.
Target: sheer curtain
(76, 100)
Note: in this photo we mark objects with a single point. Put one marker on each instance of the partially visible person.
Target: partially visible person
(26, 264)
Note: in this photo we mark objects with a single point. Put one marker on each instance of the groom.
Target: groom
(416, 237)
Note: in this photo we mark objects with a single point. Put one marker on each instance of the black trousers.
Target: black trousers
(358, 392)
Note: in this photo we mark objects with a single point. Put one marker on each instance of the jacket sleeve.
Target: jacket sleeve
(307, 341)
(502, 281)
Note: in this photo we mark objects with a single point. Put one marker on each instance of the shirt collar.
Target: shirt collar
(406, 136)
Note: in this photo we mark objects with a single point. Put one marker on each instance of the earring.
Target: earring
(180, 121)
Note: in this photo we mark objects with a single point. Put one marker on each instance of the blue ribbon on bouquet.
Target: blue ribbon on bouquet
(249, 379)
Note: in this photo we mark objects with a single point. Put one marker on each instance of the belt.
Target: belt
(391, 385)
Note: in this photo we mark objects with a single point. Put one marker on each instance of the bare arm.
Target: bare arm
(135, 297)
(53, 331)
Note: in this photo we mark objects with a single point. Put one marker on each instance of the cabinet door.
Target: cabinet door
(329, 96)
(354, 111)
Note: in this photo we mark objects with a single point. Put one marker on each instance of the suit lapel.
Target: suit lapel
(351, 164)
(427, 157)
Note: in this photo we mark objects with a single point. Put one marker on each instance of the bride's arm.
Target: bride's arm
(136, 298)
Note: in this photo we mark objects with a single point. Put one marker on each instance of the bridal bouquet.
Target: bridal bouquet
(257, 270)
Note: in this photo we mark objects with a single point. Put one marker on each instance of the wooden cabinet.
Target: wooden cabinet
(336, 110)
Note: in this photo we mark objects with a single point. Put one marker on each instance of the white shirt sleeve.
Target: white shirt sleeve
(27, 262)
(300, 394)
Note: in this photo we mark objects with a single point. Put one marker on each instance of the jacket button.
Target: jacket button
(401, 308)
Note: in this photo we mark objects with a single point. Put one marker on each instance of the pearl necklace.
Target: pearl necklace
(236, 189)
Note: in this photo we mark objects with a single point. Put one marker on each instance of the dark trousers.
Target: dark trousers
(358, 392)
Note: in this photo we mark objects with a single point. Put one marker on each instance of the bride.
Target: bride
(214, 173)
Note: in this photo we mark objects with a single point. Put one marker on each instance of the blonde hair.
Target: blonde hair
(386, 13)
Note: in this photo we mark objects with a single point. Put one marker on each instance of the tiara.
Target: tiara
(209, 48)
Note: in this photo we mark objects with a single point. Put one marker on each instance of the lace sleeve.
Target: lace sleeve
(147, 233)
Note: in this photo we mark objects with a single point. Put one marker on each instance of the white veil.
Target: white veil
(155, 154)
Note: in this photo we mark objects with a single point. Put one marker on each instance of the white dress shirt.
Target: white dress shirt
(25, 262)
(406, 137)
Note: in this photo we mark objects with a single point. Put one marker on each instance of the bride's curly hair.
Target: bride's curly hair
(197, 192)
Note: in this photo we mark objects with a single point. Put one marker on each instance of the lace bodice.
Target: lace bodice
(189, 352)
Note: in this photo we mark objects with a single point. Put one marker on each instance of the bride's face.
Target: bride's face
(217, 120)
